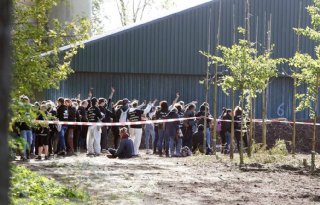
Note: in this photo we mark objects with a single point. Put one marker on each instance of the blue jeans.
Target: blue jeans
(27, 136)
(175, 143)
(228, 136)
(150, 131)
(208, 138)
(62, 141)
(163, 138)
(33, 144)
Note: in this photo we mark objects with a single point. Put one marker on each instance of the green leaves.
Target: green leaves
(27, 187)
(34, 34)
(307, 68)
(248, 70)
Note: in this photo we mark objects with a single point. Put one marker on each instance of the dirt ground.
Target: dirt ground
(193, 180)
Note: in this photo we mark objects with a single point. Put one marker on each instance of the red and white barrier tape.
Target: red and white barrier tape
(162, 121)
(115, 123)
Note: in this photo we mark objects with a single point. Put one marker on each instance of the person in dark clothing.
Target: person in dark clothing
(72, 117)
(197, 139)
(115, 118)
(201, 121)
(62, 115)
(42, 133)
(172, 131)
(53, 132)
(156, 132)
(126, 149)
(237, 128)
(189, 126)
(219, 128)
(93, 136)
(104, 106)
(226, 130)
(120, 114)
(83, 129)
(161, 114)
(179, 139)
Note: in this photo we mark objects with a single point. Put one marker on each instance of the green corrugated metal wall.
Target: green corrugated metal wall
(158, 58)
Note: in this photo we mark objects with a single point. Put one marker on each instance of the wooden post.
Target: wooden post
(5, 33)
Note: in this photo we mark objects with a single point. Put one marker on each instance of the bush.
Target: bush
(28, 187)
(280, 148)
(275, 154)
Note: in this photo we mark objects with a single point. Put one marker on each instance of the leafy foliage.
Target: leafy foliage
(308, 67)
(248, 71)
(34, 33)
(27, 187)
(38, 60)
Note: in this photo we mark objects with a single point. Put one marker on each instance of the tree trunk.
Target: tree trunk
(5, 15)
(232, 127)
(264, 126)
(294, 104)
(313, 152)
(241, 133)
(214, 128)
(251, 128)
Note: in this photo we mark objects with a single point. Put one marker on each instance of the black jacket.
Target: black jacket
(62, 113)
(226, 126)
(161, 114)
(82, 114)
(72, 114)
(94, 114)
(201, 121)
(135, 116)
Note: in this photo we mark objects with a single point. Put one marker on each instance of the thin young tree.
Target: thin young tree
(309, 72)
(294, 103)
(248, 71)
(215, 95)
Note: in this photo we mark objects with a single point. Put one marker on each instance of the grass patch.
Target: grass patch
(28, 187)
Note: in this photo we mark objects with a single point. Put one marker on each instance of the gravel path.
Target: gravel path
(193, 180)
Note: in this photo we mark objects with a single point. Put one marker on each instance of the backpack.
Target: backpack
(123, 116)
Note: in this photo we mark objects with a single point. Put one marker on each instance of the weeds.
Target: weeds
(28, 187)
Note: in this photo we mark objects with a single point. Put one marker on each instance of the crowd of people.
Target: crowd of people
(171, 139)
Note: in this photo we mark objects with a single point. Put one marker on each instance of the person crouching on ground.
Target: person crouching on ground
(94, 134)
(197, 139)
(126, 149)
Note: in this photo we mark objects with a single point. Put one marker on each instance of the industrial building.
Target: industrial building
(157, 58)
